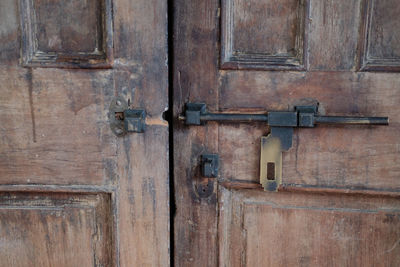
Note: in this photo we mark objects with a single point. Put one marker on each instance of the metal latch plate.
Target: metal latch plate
(272, 146)
(122, 119)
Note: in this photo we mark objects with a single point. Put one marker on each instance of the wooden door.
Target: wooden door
(339, 204)
(72, 193)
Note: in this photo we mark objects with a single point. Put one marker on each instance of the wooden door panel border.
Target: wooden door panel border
(71, 227)
(233, 59)
(32, 29)
(375, 62)
(250, 219)
(239, 185)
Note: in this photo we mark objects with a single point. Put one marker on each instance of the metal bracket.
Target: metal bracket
(124, 120)
(134, 120)
(193, 113)
(209, 165)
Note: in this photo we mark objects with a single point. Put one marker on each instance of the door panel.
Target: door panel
(308, 230)
(380, 40)
(64, 116)
(340, 183)
(71, 192)
(74, 34)
(60, 229)
(277, 39)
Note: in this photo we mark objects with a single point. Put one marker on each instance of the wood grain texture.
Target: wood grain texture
(195, 68)
(9, 35)
(343, 177)
(77, 34)
(54, 127)
(292, 229)
(56, 229)
(141, 74)
(334, 34)
(68, 27)
(264, 34)
(236, 141)
(380, 39)
(55, 137)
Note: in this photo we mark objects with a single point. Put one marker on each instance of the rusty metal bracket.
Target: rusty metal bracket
(282, 124)
(123, 119)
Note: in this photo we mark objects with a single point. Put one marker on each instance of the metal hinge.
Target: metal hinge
(280, 137)
(125, 120)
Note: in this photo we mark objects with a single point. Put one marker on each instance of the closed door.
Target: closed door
(73, 190)
(337, 203)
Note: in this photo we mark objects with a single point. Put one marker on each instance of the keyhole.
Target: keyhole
(271, 170)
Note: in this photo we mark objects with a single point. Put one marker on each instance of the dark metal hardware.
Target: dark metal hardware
(302, 116)
(125, 120)
(209, 165)
(280, 137)
(134, 120)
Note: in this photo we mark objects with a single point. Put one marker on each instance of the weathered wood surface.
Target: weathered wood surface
(54, 127)
(195, 223)
(54, 137)
(355, 161)
(77, 34)
(379, 43)
(297, 229)
(56, 229)
(264, 47)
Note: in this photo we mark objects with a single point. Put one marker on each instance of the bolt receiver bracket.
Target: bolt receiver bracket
(123, 119)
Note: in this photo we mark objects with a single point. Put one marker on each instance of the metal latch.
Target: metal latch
(280, 137)
(125, 120)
